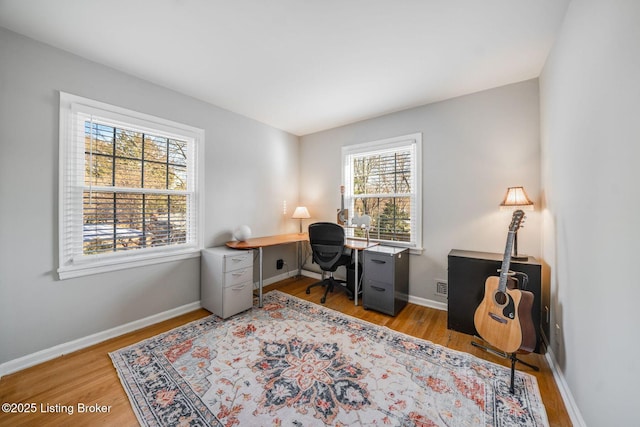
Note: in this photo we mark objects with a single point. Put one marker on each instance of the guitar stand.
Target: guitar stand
(511, 356)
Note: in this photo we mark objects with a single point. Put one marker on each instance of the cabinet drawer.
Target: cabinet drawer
(233, 278)
(378, 295)
(241, 260)
(379, 266)
(237, 298)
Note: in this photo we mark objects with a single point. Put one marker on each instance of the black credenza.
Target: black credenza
(468, 270)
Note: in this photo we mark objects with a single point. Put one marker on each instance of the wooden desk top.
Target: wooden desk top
(281, 239)
(260, 242)
(359, 244)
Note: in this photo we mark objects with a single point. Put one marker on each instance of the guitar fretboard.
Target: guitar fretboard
(506, 261)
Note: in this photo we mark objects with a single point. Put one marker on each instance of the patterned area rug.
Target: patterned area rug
(295, 363)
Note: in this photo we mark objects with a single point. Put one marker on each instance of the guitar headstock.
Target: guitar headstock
(517, 220)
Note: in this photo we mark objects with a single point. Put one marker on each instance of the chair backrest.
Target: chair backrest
(327, 244)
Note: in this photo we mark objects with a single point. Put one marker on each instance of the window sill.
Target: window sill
(121, 263)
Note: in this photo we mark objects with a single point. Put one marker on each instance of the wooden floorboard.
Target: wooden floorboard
(88, 376)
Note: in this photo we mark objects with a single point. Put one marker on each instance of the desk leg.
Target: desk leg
(299, 259)
(356, 279)
(260, 278)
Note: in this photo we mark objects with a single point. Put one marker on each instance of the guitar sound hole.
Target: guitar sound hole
(500, 298)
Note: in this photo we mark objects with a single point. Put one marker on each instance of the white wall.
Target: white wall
(251, 169)
(590, 116)
(474, 147)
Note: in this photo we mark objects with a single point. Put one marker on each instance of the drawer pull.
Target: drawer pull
(377, 288)
(238, 273)
(238, 259)
(239, 287)
(378, 261)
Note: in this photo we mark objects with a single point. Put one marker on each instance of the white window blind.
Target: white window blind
(383, 180)
(129, 188)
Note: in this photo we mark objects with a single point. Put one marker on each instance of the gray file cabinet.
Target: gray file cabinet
(226, 280)
(386, 279)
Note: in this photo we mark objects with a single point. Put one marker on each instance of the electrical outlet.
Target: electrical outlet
(279, 264)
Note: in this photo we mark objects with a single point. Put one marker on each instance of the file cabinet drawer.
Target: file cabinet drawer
(380, 267)
(238, 276)
(378, 296)
(237, 298)
(237, 261)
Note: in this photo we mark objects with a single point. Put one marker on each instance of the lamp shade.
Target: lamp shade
(301, 212)
(516, 197)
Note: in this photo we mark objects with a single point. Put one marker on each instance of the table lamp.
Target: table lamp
(516, 198)
(301, 213)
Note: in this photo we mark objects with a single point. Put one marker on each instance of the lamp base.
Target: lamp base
(520, 257)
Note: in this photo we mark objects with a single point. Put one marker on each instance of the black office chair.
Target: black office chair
(327, 246)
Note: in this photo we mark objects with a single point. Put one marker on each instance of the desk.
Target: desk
(261, 242)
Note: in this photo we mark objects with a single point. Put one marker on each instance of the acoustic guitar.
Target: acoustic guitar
(343, 214)
(503, 318)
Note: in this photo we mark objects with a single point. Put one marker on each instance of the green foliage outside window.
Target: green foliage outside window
(382, 189)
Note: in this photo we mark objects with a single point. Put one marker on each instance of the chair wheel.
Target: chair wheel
(322, 300)
(308, 291)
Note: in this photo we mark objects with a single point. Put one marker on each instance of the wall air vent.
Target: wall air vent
(442, 288)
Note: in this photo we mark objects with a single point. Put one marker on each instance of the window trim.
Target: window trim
(70, 107)
(386, 144)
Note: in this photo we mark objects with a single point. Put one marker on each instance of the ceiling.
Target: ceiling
(304, 65)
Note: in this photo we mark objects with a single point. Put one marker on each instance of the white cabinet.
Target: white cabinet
(226, 280)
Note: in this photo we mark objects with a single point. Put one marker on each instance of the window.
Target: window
(129, 188)
(383, 180)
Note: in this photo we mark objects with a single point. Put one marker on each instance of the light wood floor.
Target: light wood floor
(88, 376)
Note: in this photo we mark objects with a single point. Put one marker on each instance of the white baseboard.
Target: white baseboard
(312, 274)
(29, 360)
(275, 279)
(279, 277)
(428, 303)
(565, 391)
